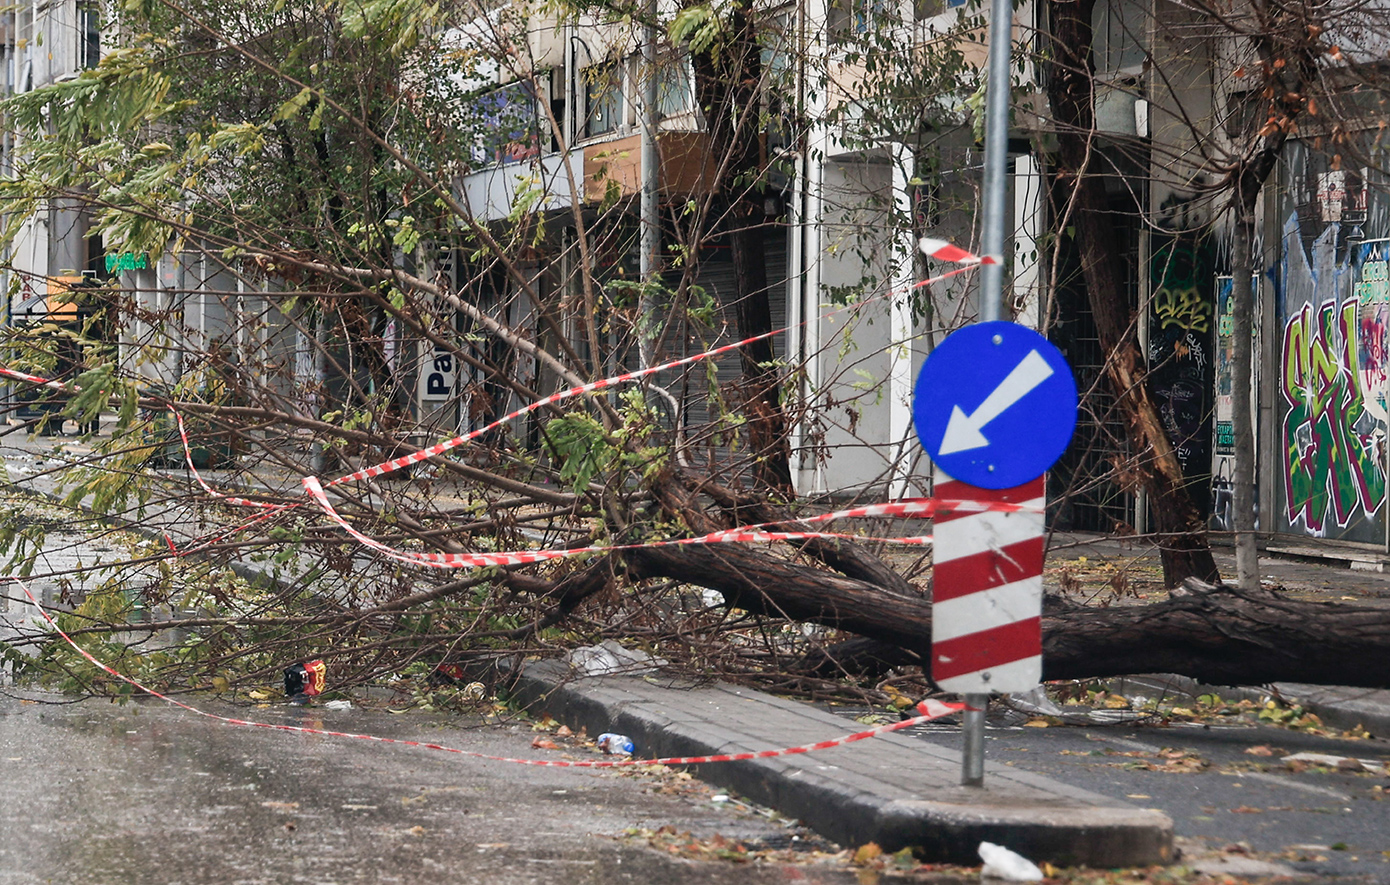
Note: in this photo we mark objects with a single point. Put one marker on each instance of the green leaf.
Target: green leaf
(697, 27)
(292, 107)
(581, 446)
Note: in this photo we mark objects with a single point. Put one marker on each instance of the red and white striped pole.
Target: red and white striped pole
(987, 604)
(987, 590)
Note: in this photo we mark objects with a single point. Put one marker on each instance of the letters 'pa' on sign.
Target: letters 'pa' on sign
(438, 374)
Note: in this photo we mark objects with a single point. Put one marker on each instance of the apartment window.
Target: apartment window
(778, 49)
(674, 92)
(558, 91)
(849, 17)
(510, 119)
(1118, 27)
(88, 35)
(1243, 114)
(603, 99)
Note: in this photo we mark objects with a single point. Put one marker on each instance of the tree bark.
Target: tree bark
(1181, 527)
(1247, 180)
(1224, 636)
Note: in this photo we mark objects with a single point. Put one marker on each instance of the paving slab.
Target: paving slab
(890, 790)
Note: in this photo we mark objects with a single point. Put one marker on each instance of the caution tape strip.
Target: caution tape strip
(943, 250)
(928, 709)
(525, 557)
(911, 507)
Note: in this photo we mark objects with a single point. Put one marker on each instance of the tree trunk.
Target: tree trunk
(1247, 180)
(1181, 527)
(1223, 636)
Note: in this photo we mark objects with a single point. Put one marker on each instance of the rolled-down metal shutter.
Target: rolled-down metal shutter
(691, 384)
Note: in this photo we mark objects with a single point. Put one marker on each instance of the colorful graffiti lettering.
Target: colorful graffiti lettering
(1331, 464)
(1182, 295)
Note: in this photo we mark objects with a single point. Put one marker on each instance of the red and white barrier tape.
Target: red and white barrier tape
(525, 557)
(911, 507)
(943, 251)
(929, 710)
(33, 379)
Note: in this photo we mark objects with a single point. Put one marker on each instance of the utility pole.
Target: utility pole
(649, 220)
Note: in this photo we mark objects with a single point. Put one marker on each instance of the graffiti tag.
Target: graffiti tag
(1372, 293)
(1184, 308)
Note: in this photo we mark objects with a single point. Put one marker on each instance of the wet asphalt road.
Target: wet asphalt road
(94, 792)
(1218, 794)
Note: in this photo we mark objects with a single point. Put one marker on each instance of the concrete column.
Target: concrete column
(1028, 227)
(900, 381)
(803, 295)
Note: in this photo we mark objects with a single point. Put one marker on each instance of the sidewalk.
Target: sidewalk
(1337, 576)
(890, 790)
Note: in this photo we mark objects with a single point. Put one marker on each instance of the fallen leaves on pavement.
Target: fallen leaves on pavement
(1173, 761)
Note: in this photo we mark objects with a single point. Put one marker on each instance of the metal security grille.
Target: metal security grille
(1083, 491)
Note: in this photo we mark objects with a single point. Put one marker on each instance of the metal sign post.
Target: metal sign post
(996, 194)
(994, 407)
(991, 281)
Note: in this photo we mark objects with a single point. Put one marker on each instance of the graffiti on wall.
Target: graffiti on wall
(1180, 340)
(1332, 469)
(1334, 371)
(1182, 307)
(1371, 292)
(1223, 438)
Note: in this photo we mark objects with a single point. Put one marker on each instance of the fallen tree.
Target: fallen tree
(1220, 634)
(296, 187)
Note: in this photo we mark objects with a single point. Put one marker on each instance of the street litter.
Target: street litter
(609, 657)
(1341, 763)
(338, 706)
(616, 744)
(1034, 701)
(447, 674)
(304, 681)
(1001, 863)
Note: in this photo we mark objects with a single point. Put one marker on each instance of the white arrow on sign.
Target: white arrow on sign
(963, 431)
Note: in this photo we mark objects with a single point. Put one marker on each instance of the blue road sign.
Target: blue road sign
(995, 405)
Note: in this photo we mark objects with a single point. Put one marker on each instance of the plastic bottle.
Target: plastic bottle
(616, 744)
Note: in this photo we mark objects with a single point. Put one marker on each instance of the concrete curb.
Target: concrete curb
(892, 790)
(1342, 706)
(1339, 706)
